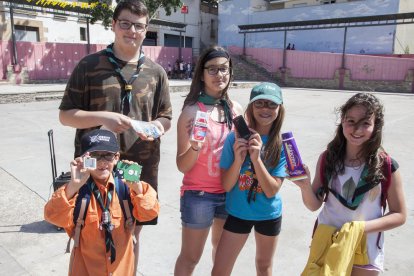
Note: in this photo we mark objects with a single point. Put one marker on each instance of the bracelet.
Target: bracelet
(194, 149)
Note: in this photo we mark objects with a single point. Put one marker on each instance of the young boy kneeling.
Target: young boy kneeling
(103, 244)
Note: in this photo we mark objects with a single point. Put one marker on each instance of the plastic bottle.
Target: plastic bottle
(293, 160)
(199, 131)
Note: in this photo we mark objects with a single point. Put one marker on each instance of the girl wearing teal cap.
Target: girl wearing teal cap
(253, 170)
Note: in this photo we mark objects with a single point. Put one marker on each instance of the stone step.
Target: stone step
(49, 96)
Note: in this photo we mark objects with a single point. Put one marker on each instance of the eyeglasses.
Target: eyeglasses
(108, 156)
(126, 25)
(212, 71)
(267, 104)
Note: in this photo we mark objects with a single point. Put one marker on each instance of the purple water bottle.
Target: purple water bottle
(293, 160)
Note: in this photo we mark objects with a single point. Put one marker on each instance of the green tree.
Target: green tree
(104, 11)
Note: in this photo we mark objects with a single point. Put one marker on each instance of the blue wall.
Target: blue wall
(370, 40)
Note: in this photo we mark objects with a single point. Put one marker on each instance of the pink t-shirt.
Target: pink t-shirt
(205, 174)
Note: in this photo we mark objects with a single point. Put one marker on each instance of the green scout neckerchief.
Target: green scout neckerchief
(359, 193)
(126, 86)
(207, 99)
(106, 217)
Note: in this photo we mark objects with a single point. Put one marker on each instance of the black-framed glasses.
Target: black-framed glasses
(264, 103)
(212, 71)
(126, 25)
(107, 156)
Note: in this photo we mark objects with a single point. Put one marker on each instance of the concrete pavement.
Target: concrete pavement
(30, 246)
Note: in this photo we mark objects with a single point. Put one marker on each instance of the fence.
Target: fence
(324, 65)
(323, 70)
(55, 61)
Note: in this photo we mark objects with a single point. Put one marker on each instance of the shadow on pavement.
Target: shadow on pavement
(39, 227)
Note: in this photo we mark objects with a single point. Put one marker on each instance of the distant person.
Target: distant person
(113, 86)
(188, 71)
(253, 171)
(293, 47)
(288, 47)
(202, 195)
(354, 181)
(182, 69)
(103, 244)
(169, 70)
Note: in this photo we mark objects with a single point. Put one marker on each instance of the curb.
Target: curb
(25, 97)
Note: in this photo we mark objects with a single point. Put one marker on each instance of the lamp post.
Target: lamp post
(13, 34)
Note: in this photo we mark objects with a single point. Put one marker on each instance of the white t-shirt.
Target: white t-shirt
(335, 214)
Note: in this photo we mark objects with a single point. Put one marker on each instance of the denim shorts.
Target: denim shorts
(199, 208)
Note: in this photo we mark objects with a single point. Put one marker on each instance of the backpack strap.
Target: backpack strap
(386, 182)
(385, 185)
(79, 214)
(124, 197)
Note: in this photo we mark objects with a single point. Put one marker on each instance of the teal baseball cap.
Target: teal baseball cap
(266, 91)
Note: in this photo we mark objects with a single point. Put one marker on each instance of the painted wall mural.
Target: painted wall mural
(369, 40)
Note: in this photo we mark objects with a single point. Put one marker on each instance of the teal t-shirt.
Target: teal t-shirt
(262, 208)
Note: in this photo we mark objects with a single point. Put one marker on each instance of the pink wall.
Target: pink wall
(378, 68)
(53, 61)
(323, 65)
(312, 64)
(270, 59)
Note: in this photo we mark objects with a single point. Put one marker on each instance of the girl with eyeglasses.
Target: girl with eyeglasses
(202, 195)
(253, 170)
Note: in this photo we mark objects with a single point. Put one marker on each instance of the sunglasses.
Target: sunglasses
(126, 25)
(267, 104)
(212, 71)
(108, 156)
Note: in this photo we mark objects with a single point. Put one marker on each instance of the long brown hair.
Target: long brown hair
(370, 150)
(273, 148)
(197, 84)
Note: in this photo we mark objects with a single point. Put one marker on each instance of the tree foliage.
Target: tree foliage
(104, 11)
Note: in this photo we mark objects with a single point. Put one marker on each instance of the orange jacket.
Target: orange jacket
(91, 258)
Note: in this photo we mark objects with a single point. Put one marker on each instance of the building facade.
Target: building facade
(391, 39)
(46, 25)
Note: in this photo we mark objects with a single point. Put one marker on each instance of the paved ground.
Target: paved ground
(30, 246)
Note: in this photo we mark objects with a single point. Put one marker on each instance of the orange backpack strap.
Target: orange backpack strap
(80, 222)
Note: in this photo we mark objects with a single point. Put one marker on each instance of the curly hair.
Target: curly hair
(370, 150)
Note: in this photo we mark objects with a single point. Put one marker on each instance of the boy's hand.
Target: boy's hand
(116, 122)
(136, 186)
(79, 175)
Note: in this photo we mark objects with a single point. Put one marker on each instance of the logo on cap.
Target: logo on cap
(98, 138)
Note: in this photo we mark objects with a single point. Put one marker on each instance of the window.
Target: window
(82, 31)
(26, 33)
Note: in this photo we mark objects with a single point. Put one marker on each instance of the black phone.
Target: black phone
(241, 127)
